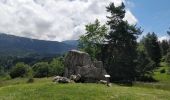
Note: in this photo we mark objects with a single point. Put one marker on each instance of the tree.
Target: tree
(145, 66)
(152, 48)
(164, 45)
(41, 69)
(2, 72)
(167, 58)
(93, 39)
(19, 70)
(120, 50)
(56, 66)
(168, 32)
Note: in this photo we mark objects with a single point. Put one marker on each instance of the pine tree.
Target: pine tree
(152, 48)
(164, 47)
(121, 45)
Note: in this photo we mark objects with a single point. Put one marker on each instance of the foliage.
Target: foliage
(56, 67)
(120, 50)
(41, 69)
(145, 66)
(30, 75)
(151, 45)
(6, 63)
(164, 45)
(45, 69)
(2, 72)
(163, 71)
(19, 70)
(22, 47)
(92, 41)
(167, 58)
(4, 77)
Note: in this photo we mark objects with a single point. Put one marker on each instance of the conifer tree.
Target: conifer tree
(121, 54)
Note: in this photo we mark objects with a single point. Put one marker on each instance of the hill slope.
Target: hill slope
(19, 46)
(71, 42)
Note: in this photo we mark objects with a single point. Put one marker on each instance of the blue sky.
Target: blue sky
(152, 15)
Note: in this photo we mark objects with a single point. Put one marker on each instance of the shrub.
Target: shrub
(56, 67)
(19, 70)
(162, 71)
(5, 76)
(45, 69)
(41, 69)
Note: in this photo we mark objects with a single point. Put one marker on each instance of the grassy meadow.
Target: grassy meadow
(45, 89)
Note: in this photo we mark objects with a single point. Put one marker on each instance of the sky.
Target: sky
(152, 15)
(58, 20)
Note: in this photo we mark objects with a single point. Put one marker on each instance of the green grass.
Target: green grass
(162, 78)
(18, 81)
(45, 89)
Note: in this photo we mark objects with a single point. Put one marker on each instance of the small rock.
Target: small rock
(102, 82)
(109, 85)
(64, 80)
(60, 79)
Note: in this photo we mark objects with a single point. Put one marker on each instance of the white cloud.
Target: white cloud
(163, 38)
(53, 19)
(130, 17)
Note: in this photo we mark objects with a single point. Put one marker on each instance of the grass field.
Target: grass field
(162, 78)
(45, 89)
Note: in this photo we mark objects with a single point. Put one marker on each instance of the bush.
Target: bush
(45, 69)
(56, 67)
(41, 69)
(5, 76)
(162, 71)
(19, 70)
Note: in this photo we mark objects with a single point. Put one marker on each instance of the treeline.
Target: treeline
(38, 68)
(116, 44)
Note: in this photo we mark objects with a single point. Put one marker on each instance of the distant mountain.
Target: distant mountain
(11, 45)
(71, 42)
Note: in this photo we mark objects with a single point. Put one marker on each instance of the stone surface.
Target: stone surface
(75, 78)
(102, 82)
(80, 63)
(60, 79)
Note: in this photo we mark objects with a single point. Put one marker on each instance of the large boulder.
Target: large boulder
(80, 63)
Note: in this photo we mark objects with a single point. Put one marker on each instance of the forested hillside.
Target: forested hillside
(19, 46)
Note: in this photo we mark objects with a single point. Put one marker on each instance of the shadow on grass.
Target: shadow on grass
(147, 79)
(132, 83)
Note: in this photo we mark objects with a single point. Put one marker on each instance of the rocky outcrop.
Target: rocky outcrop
(80, 63)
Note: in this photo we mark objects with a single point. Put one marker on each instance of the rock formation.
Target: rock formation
(80, 63)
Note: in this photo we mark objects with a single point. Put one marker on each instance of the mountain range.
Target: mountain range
(11, 45)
